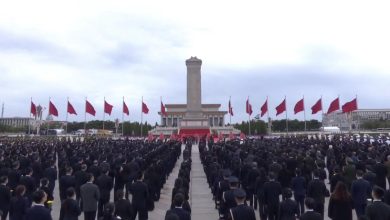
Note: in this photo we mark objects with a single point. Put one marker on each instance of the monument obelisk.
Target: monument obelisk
(194, 117)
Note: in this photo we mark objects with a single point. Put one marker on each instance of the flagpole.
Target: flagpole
(48, 123)
(285, 100)
(123, 114)
(29, 124)
(66, 125)
(269, 119)
(85, 118)
(230, 114)
(358, 116)
(304, 111)
(249, 117)
(104, 111)
(142, 103)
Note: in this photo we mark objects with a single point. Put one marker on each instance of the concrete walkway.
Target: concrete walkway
(201, 198)
(162, 205)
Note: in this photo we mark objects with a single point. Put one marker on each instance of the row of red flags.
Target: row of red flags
(90, 109)
(300, 106)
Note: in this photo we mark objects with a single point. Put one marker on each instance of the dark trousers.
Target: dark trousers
(101, 204)
(300, 199)
(360, 209)
(262, 211)
(142, 212)
(90, 215)
(319, 208)
(272, 212)
(4, 214)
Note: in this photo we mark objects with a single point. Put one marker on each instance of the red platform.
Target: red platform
(194, 132)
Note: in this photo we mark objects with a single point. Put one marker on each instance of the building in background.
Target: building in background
(355, 119)
(17, 122)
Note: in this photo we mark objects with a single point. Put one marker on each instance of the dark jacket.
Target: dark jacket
(124, 209)
(288, 210)
(90, 196)
(340, 210)
(317, 190)
(105, 185)
(66, 182)
(360, 191)
(181, 213)
(140, 193)
(298, 185)
(70, 210)
(311, 215)
(5, 197)
(18, 208)
(38, 212)
(272, 191)
(242, 212)
(378, 211)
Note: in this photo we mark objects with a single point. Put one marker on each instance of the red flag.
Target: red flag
(150, 137)
(230, 109)
(70, 109)
(89, 108)
(125, 109)
(316, 107)
(52, 109)
(163, 112)
(231, 136)
(242, 136)
(281, 108)
(299, 106)
(264, 108)
(334, 106)
(33, 109)
(248, 107)
(145, 108)
(107, 108)
(350, 106)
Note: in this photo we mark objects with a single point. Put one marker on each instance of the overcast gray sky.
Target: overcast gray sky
(138, 48)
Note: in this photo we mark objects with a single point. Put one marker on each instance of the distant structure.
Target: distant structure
(354, 120)
(193, 118)
(17, 122)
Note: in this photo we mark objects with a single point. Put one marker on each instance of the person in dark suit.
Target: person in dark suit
(381, 173)
(360, 191)
(123, 207)
(178, 201)
(5, 197)
(140, 193)
(51, 174)
(18, 204)
(228, 198)
(318, 191)
(340, 203)
(29, 182)
(310, 214)
(66, 182)
(378, 210)
(272, 191)
(90, 196)
(45, 187)
(70, 209)
(241, 211)
(335, 178)
(81, 179)
(288, 209)
(105, 184)
(298, 184)
(14, 175)
(38, 210)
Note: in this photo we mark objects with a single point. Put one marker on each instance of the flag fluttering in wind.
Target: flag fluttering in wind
(281, 108)
(162, 109)
(107, 107)
(125, 108)
(145, 108)
(33, 109)
(52, 109)
(230, 108)
(70, 109)
(334, 106)
(89, 108)
(350, 106)
(248, 107)
(299, 106)
(264, 108)
(316, 107)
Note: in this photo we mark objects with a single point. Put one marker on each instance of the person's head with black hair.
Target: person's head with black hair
(178, 200)
(90, 177)
(70, 193)
(310, 203)
(44, 182)
(84, 167)
(298, 172)
(316, 174)
(69, 170)
(377, 192)
(39, 197)
(287, 193)
(120, 194)
(3, 180)
(108, 211)
(271, 176)
(140, 176)
(29, 171)
(239, 196)
(20, 190)
(359, 173)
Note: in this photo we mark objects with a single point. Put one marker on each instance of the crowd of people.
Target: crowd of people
(87, 172)
(287, 178)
